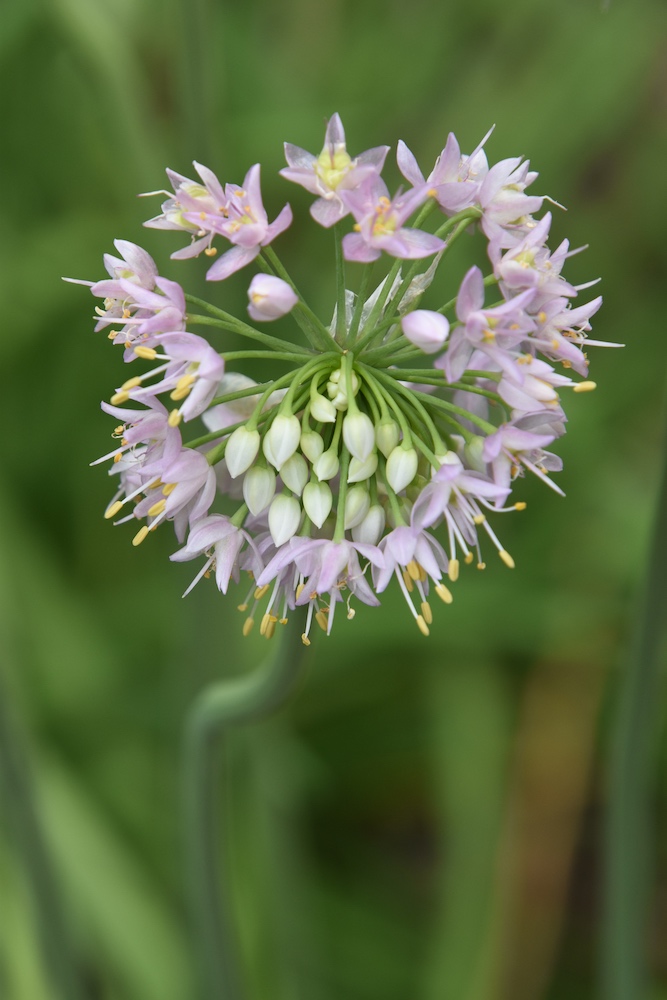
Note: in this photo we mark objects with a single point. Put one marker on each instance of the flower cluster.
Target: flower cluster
(361, 459)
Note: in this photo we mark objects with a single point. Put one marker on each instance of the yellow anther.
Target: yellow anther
(407, 579)
(260, 591)
(266, 620)
(422, 626)
(356, 227)
(555, 343)
(113, 510)
(211, 251)
(241, 607)
(304, 639)
(585, 386)
(542, 316)
(126, 314)
(322, 620)
(157, 508)
(119, 397)
(113, 334)
(117, 457)
(506, 558)
(423, 575)
(444, 593)
(413, 569)
(299, 590)
(453, 570)
(520, 505)
(247, 626)
(479, 519)
(350, 614)
(468, 558)
(489, 336)
(566, 363)
(168, 489)
(481, 565)
(131, 383)
(432, 193)
(427, 614)
(202, 216)
(178, 394)
(140, 535)
(174, 418)
(283, 621)
(270, 629)
(147, 353)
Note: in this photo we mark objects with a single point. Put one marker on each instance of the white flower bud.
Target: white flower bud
(312, 445)
(473, 453)
(358, 435)
(357, 504)
(284, 517)
(359, 471)
(294, 473)
(270, 298)
(425, 329)
(337, 388)
(317, 502)
(322, 409)
(241, 450)
(371, 528)
(259, 486)
(282, 439)
(387, 436)
(401, 467)
(327, 465)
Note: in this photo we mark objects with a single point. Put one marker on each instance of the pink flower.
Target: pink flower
(205, 200)
(270, 298)
(332, 172)
(222, 541)
(380, 223)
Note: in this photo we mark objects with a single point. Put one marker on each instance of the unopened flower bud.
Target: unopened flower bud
(312, 445)
(473, 453)
(259, 487)
(371, 528)
(359, 471)
(426, 330)
(317, 502)
(358, 434)
(327, 465)
(270, 298)
(282, 439)
(284, 517)
(322, 409)
(357, 504)
(401, 467)
(337, 388)
(241, 450)
(387, 436)
(294, 473)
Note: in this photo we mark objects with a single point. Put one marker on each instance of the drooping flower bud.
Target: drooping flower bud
(357, 504)
(359, 471)
(426, 329)
(241, 450)
(401, 467)
(387, 436)
(322, 409)
(294, 473)
(312, 445)
(371, 528)
(259, 487)
(317, 502)
(282, 439)
(284, 517)
(327, 465)
(358, 434)
(270, 298)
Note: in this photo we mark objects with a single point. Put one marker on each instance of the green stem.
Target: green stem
(359, 304)
(273, 355)
(15, 781)
(311, 324)
(242, 329)
(340, 286)
(220, 707)
(629, 850)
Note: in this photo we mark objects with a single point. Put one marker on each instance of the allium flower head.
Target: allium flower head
(360, 462)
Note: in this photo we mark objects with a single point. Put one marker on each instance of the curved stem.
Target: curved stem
(629, 853)
(220, 707)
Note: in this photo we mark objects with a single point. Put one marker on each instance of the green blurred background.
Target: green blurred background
(425, 819)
